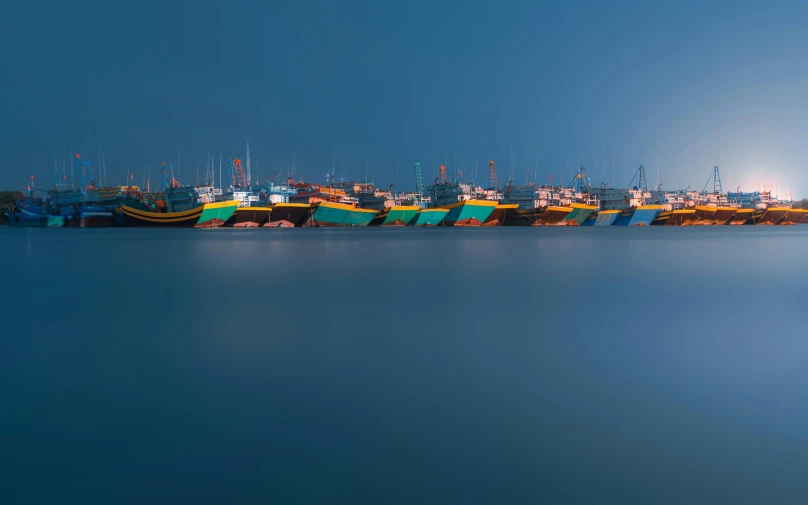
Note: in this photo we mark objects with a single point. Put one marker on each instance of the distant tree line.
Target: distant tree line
(801, 204)
(7, 199)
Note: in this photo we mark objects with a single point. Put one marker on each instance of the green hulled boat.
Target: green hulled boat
(209, 215)
(340, 214)
(398, 215)
(580, 213)
(216, 214)
(428, 217)
(468, 212)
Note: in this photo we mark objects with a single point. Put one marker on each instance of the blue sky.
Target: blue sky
(683, 86)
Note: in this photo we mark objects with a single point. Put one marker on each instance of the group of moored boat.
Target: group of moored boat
(357, 204)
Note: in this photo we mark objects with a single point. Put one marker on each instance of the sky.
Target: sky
(677, 86)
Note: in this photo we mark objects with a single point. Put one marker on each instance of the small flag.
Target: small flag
(77, 155)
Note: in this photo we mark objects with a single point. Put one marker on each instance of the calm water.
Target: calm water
(573, 366)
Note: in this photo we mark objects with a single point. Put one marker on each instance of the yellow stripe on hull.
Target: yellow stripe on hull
(245, 209)
(221, 205)
(342, 206)
(478, 203)
(146, 213)
(161, 220)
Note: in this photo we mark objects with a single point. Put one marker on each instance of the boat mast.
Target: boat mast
(248, 164)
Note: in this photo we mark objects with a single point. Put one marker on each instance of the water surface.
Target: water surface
(510, 365)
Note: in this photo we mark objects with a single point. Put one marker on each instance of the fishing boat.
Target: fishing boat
(428, 217)
(176, 207)
(580, 212)
(339, 214)
(214, 215)
(710, 216)
(461, 200)
(296, 214)
(606, 217)
(795, 216)
(772, 216)
(523, 217)
(552, 215)
(468, 212)
(209, 215)
(24, 219)
(742, 217)
(95, 216)
(249, 217)
(500, 213)
(398, 215)
(679, 217)
(643, 215)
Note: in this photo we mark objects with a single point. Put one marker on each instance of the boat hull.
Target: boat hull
(644, 215)
(773, 216)
(399, 215)
(579, 214)
(497, 216)
(742, 217)
(468, 212)
(428, 217)
(710, 216)
(295, 213)
(682, 217)
(215, 215)
(605, 218)
(796, 216)
(553, 216)
(249, 217)
(96, 217)
(339, 215)
(523, 217)
(26, 220)
(141, 218)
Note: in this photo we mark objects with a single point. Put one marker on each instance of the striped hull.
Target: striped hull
(684, 217)
(743, 216)
(428, 217)
(400, 215)
(249, 217)
(605, 218)
(497, 216)
(579, 214)
(216, 214)
(773, 216)
(468, 212)
(710, 216)
(295, 213)
(796, 216)
(135, 217)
